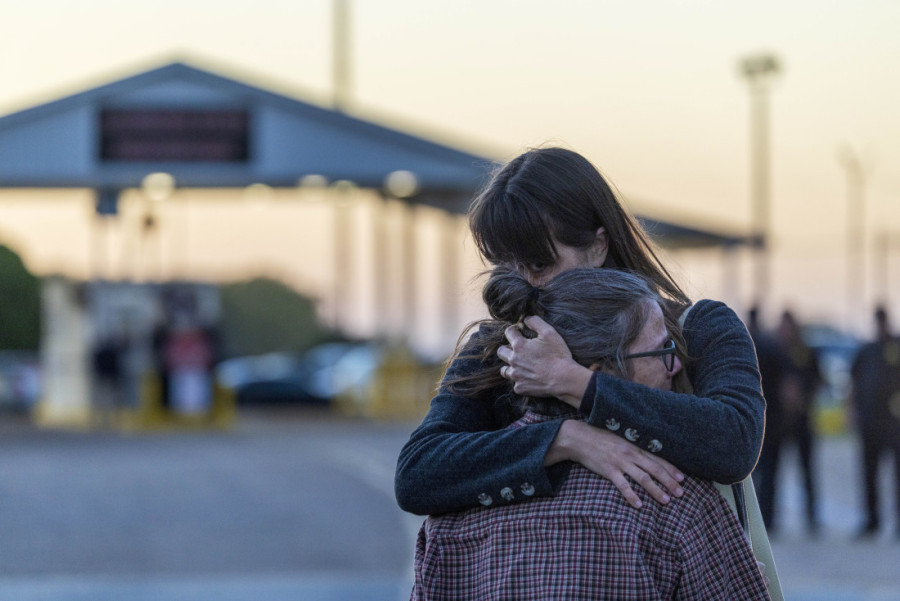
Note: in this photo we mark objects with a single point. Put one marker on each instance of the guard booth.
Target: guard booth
(142, 354)
(179, 127)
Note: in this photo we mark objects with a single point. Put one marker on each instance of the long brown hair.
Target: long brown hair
(552, 194)
(555, 194)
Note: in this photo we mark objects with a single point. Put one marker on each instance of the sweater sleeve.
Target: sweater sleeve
(715, 432)
(462, 456)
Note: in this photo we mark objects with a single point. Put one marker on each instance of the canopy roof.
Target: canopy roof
(208, 130)
(671, 235)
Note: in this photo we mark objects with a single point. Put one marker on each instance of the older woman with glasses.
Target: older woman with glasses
(587, 542)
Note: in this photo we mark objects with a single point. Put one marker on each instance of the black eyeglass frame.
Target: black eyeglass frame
(667, 353)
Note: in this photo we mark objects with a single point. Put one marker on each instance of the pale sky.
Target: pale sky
(648, 89)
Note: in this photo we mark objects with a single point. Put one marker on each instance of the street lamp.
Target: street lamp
(312, 181)
(340, 60)
(401, 183)
(157, 188)
(343, 238)
(856, 211)
(259, 196)
(759, 71)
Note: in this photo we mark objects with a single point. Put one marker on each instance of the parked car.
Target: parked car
(836, 352)
(316, 377)
(20, 380)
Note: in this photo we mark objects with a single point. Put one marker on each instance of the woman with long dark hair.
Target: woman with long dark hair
(545, 212)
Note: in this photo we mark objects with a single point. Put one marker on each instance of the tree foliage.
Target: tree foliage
(264, 315)
(20, 304)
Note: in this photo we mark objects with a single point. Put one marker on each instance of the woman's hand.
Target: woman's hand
(613, 458)
(542, 366)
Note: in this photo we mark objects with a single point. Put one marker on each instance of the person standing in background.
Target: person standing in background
(875, 401)
(799, 385)
(108, 380)
(772, 364)
(790, 378)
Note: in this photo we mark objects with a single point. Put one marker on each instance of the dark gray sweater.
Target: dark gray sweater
(461, 451)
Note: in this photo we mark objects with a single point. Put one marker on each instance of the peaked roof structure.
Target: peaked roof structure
(208, 130)
(674, 236)
(66, 143)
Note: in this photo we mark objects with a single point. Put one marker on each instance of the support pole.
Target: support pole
(410, 276)
(450, 279)
(758, 71)
(340, 53)
(856, 280)
(342, 253)
(380, 258)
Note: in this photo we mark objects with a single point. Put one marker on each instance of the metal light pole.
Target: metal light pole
(759, 71)
(157, 188)
(856, 212)
(402, 185)
(343, 251)
(885, 245)
(340, 57)
(882, 267)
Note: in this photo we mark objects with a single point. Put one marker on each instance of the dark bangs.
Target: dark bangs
(554, 195)
(511, 230)
(535, 199)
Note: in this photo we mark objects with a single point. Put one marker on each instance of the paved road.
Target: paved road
(834, 566)
(286, 507)
(295, 506)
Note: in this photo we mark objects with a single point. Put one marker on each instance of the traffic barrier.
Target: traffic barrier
(150, 413)
(400, 389)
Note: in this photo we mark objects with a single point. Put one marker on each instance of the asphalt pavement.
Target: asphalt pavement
(835, 565)
(299, 505)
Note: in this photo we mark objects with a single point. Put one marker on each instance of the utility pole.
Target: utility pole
(886, 244)
(340, 54)
(856, 212)
(759, 71)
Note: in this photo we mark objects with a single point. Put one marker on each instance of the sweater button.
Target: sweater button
(507, 494)
(527, 489)
(612, 424)
(632, 434)
(485, 499)
(654, 446)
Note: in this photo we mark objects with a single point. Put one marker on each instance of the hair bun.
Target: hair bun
(509, 296)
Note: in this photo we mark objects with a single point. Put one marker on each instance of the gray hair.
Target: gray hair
(598, 312)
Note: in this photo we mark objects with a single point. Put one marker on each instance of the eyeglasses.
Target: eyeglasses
(667, 353)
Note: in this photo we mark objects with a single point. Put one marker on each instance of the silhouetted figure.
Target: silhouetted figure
(189, 358)
(108, 377)
(800, 382)
(875, 396)
(159, 343)
(772, 363)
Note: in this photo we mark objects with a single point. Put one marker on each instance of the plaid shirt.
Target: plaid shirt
(588, 543)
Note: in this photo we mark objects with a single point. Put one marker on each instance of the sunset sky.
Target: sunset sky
(649, 90)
